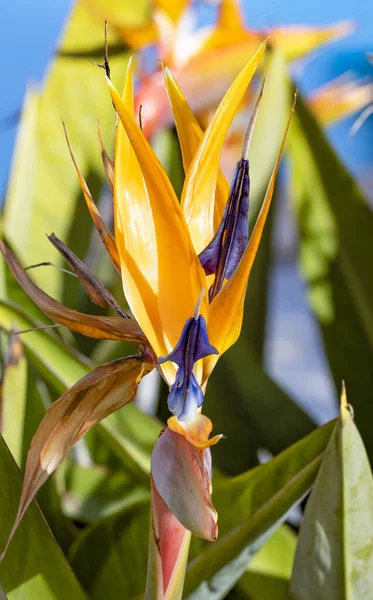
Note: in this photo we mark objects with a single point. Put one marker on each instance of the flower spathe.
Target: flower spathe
(156, 247)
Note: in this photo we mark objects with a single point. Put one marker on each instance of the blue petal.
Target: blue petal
(225, 250)
(203, 348)
(192, 345)
(185, 396)
(177, 355)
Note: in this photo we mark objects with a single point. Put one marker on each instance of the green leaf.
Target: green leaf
(251, 410)
(250, 507)
(34, 566)
(13, 399)
(117, 567)
(268, 574)
(166, 146)
(47, 497)
(267, 135)
(336, 230)
(95, 492)
(20, 193)
(334, 556)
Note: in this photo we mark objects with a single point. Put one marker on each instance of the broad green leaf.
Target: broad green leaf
(334, 557)
(251, 410)
(74, 91)
(336, 229)
(268, 574)
(20, 194)
(34, 567)
(117, 567)
(269, 128)
(251, 507)
(266, 140)
(13, 399)
(95, 492)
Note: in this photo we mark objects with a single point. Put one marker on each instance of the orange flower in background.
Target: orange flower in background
(206, 61)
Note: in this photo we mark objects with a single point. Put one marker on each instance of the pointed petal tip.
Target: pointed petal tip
(196, 431)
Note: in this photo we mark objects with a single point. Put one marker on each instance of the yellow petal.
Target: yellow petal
(190, 135)
(198, 200)
(174, 9)
(134, 230)
(230, 16)
(226, 310)
(137, 37)
(230, 29)
(155, 244)
(106, 389)
(295, 41)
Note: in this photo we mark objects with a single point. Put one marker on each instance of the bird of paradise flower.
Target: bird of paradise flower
(185, 268)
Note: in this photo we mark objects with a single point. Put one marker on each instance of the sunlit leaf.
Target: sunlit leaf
(334, 557)
(268, 574)
(13, 398)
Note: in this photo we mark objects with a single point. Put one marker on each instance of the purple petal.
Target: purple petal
(224, 252)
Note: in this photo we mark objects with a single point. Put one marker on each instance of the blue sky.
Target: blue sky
(31, 30)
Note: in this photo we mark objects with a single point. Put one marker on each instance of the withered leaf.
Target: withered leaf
(96, 290)
(102, 391)
(106, 161)
(106, 236)
(98, 327)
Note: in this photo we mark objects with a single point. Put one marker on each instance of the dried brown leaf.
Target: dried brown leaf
(96, 290)
(102, 391)
(106, 236)
(98, 327)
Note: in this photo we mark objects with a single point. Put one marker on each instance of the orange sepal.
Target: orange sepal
(196, 432)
